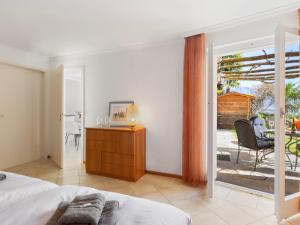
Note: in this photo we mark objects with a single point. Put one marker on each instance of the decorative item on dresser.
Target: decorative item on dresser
(116, 152)
(120, 113)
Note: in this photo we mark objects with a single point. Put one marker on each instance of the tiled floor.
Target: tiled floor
(229, 207)
(73, 155)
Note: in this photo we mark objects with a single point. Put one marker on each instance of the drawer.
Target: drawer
(107, 135)
(108, 146)
(115, 147)
(117, 159)
(123, 144)
(117, 170)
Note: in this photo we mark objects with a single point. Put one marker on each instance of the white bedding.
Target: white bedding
(17, 187)
(35, 206)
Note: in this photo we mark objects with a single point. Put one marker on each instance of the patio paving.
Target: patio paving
(242, 174)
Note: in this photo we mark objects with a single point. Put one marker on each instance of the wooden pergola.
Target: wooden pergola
(258, 68)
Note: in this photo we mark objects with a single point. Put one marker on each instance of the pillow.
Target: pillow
(259, 125)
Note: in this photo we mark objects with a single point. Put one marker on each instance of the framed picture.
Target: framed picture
(118, 113)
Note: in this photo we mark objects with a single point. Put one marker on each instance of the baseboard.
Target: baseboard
(164, 174)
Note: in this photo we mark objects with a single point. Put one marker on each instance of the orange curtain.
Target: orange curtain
(193, 153)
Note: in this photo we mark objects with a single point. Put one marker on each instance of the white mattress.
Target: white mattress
(17, 187)
(33, 201)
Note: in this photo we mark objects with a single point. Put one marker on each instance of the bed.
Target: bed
(25, 200)
(18, 187)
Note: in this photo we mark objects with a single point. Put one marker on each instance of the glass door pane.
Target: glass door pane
(292, 115)
(245, 114)
(287, 127)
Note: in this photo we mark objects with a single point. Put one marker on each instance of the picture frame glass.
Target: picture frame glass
(119, 113)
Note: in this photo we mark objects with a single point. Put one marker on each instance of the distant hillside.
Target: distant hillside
(244, 90)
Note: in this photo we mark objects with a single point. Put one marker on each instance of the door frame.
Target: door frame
(285, 206)
(211, 113)
(213, 52)
(57, 86)
(282, 204)
(211, 124)
(82, 68)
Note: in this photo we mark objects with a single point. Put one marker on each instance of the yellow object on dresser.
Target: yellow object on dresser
(116, 152)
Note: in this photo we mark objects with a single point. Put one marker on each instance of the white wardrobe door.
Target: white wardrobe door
(20, 115)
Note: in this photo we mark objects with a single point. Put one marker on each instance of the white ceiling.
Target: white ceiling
(58, 27)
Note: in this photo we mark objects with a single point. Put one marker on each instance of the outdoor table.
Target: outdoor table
(294, 137)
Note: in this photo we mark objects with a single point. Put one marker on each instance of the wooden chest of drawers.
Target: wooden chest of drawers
(116, 152)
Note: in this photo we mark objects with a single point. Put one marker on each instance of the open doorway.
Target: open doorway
(73, 116)
(245, 112)
(273, 62)
(246, 118)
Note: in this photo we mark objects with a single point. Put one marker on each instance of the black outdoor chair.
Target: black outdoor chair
(247, 138)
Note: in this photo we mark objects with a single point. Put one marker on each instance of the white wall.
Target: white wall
(152, 77)
(23, 58)
(21, 111)
(73, 99)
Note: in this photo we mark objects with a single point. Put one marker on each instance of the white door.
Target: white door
(57, 116)
(287, 173)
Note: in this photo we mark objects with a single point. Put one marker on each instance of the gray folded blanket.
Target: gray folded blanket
(107, 216)
(84, 210)
(58, 213)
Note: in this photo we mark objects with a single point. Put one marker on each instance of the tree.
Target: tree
(230, 83)
(264, 98)
(292, 98)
